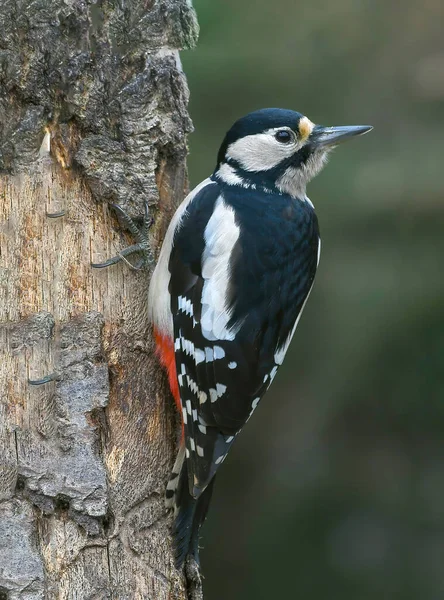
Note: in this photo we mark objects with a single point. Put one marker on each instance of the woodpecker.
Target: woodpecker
(234, 273)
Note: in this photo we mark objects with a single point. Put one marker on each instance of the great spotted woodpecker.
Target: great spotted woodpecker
(235, 270)
(234, 273)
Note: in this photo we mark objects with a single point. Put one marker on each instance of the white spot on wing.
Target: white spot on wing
(184, 305)
(199, 355)
(218, 352)
(218, 392)
(253, 407)
(181, 374)
(192, 385)
(273, 373)
(221, 389)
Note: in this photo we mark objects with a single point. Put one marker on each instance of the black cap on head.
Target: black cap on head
(258, 121)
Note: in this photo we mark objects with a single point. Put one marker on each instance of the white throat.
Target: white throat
(294, 180)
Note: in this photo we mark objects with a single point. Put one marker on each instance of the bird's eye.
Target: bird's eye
(283, 136)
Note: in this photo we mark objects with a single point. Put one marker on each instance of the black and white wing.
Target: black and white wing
(237, 290)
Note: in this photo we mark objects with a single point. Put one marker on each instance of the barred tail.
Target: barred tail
(189, 512)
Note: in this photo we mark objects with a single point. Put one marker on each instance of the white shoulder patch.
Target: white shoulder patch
(159, 301)
(221, 235)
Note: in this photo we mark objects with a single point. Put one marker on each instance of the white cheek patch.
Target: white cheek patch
(260, 152)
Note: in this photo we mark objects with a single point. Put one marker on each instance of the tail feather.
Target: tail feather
(189, 512)
(173, 483)
(203, 504)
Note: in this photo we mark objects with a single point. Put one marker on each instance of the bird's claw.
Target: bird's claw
(46, 379)
(140, 235)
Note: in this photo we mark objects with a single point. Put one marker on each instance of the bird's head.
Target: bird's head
(276, 149)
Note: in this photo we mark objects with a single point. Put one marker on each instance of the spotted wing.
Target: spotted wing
(235, 298)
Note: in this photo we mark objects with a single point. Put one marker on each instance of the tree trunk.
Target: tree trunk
(93, 109)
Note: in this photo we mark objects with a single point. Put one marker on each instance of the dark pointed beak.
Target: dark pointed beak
(331, 136)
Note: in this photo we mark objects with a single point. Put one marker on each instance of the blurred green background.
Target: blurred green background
(335, 489)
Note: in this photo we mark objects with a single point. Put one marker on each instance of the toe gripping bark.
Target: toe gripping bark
(141, 236)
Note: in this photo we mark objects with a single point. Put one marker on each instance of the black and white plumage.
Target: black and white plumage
(235, 271)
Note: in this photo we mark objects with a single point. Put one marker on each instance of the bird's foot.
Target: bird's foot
(46, 379)
(141, 235)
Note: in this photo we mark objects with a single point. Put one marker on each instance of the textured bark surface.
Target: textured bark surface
(84, 460)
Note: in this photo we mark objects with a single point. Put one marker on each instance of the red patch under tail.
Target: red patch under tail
(165, 353)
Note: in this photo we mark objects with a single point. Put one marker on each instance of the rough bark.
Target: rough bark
(84, 460)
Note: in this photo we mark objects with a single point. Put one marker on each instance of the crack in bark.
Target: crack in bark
(108, 561)
(16, 447)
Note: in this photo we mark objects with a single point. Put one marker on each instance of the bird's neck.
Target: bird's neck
(278, 181)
